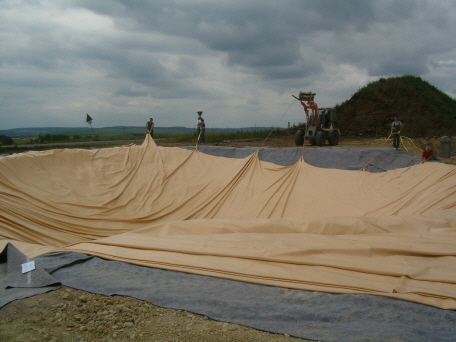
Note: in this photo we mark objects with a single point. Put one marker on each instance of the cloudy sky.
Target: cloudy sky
(237, 61)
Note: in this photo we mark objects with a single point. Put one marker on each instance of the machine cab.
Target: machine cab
(327, 117)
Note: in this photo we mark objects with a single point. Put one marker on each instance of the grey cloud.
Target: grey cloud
(399, 66)
(252, 36)
(129, 92)
(266, 38)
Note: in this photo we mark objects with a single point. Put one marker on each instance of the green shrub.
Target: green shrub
(6, 140)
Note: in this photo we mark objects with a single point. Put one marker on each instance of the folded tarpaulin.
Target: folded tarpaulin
(297, 226)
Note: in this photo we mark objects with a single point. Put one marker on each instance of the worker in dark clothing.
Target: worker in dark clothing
(202, 130)
(396, 128)
(150, 127)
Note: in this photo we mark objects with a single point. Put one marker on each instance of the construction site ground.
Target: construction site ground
(73, 315)
(413, 146)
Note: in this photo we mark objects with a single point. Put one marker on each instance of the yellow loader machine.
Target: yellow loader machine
(321, 123)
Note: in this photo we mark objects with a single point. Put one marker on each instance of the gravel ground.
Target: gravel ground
(73, 315)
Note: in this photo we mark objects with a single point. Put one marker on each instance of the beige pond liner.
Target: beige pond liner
(391, 234)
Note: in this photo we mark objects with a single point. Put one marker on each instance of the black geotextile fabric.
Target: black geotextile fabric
(306, 314)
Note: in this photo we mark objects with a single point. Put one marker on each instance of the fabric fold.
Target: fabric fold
(296, 226)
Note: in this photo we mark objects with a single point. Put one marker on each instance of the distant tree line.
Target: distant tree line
(53, 137)
(5, 140)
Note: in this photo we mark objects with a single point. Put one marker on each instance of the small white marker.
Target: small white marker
(28, 266)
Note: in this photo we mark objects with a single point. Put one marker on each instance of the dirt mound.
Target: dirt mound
(424, 110)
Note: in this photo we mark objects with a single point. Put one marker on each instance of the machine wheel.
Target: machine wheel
(312, 140)
(334, 138)
(299, 137)
(320, 138)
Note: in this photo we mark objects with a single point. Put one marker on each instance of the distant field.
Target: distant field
(104, 137)
(121, 131)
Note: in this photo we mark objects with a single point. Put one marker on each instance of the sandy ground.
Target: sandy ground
(72, 315)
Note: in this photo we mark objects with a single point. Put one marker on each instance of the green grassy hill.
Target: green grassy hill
(425, 110)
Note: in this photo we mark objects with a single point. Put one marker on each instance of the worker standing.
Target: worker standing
(202, 129)
(396, 128)
(150, 127)
(198, 125)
